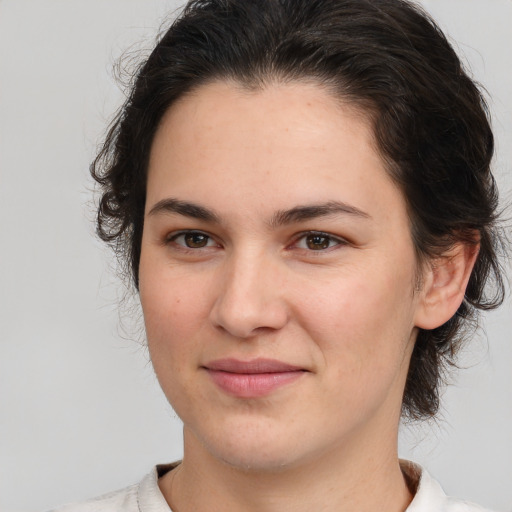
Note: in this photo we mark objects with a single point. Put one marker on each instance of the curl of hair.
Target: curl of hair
(386, 57)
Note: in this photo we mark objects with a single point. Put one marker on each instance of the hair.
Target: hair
(387, 58)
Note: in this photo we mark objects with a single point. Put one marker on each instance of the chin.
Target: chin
(257, 462)
(255, 447)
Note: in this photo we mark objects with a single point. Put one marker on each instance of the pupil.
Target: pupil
(317, 242)
(195, 240)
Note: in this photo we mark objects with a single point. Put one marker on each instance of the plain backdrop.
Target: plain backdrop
(80, 410)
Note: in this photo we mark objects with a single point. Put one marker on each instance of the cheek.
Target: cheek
(362, 330)
(169, 299)
(363, 318)
(174, 314)
(175, 309)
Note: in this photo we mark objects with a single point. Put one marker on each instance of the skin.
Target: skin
(225, 164)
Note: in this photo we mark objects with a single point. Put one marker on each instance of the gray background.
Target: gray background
(80, 410)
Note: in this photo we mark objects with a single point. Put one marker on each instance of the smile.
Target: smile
(252, 379)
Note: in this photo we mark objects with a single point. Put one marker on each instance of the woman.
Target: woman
(302, 192)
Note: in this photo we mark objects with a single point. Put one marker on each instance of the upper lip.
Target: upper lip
(259, 365)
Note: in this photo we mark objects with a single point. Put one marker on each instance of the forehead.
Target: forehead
(286, 108)
(289, 143)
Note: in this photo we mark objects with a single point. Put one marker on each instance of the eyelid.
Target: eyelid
(340, 241)
(171, 237)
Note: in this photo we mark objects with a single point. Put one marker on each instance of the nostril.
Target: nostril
(250, 320)
(248, 303)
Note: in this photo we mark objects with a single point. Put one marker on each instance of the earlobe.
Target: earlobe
(444, 285)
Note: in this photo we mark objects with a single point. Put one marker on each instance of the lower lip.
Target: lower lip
(252, 385)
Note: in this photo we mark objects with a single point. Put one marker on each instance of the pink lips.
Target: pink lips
(251, 379)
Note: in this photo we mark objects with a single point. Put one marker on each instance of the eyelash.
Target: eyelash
(320, 234)
(332, 241)
(175, 236)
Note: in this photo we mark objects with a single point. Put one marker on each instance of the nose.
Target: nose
(250, 299)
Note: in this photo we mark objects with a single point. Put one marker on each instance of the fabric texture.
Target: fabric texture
(146, 496)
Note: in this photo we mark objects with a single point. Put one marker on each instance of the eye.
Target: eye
(192, 240)
(317, 241)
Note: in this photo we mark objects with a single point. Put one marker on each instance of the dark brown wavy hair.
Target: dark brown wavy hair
(386, 57)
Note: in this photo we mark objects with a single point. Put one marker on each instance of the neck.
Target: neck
(342, 480)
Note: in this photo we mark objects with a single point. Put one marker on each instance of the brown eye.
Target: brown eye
(196, 240)
(192, 240)
(317, 242)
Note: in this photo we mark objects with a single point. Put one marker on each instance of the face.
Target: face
(277, 276)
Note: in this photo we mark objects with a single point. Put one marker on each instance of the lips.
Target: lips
(252, 379)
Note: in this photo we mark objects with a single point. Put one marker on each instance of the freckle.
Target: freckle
(178, 301)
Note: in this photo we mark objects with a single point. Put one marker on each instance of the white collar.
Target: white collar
(428, 497)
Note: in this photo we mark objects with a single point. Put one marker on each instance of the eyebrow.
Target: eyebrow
(308, 212)
(186, 209)
(280, 218)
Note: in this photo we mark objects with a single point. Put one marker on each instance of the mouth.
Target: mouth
(254, 378)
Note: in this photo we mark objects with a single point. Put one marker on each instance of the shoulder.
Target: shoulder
(455, 505)
(429, 495)
(142, 497)
(123, 500)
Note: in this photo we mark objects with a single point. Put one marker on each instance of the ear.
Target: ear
(444, 285)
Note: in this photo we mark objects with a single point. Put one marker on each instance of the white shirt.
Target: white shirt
(147, 497)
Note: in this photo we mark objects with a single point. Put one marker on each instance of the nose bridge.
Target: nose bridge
(250, 296)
